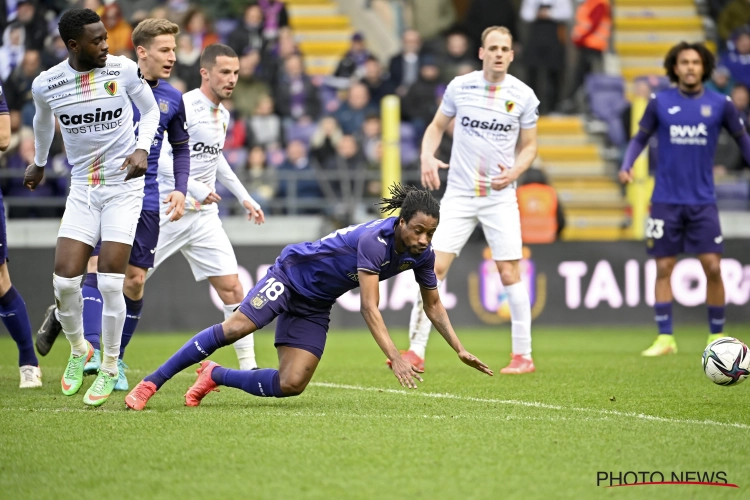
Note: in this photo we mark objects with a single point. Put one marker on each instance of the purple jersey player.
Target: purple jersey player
(300, 289)
(12, 307)
(154, 40)
(684, 218)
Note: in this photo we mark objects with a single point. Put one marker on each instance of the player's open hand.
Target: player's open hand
(430, 177)
(405, 372)
(138, 163)
(471, 360)
(254, 214)
(507, 175)
(33, 176)
(625, 176)
(176, 205)
(211, 198)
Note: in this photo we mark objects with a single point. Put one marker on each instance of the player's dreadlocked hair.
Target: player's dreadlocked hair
(709, 61)
(72, 23)
(410, 200)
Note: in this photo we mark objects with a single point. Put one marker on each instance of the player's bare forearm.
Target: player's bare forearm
(527, 149)
(379, 332)
(431, 140)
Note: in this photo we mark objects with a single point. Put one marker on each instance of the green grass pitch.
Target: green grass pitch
(593, 405)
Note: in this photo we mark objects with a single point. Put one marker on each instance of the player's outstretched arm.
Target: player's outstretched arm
(229, 179)
(44, 131)
(432, 137)
(404, 371)
(437, 314)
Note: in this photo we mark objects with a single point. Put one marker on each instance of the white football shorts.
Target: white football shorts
(201, 239)
(500, 219)
(107, 212)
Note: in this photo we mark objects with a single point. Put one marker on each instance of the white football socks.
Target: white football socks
(70, 311)
(520, 317)
(245, 347)
(419, 327)
(113, 318)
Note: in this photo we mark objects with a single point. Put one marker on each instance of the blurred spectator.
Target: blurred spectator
(721, 81)
(544, 49)
(275, 18)
(325, 139)
(353, 62)
(272, 62)
(376, 82)
(741, 100)
(369, 137)
(404, 66)
(298, 161)
(50, 186)
(95, 5)
(259, 178)
(18, 90)
(265, 127)
(119, 32)
(351, 113)
(187, 67)
(345, 193)
(248, 36)
(738, 60)
(12, 50)
(420, 104)
(136, 11)
(32, 18)
(542, 215)
(485, 13)
(55, 52)
(196, 25)
(296, 96)
(734, 15)
(249, 88)
(591, 36)
(456, 54)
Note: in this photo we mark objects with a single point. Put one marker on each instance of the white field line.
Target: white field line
(534, 404)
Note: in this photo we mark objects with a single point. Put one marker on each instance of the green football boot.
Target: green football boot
(73, 375)
(714, 336)
(664, 344)
(100, 390)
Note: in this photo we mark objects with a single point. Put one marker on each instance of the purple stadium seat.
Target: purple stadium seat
(606, 96)
(224, 27)
(733, 195)
(236, 157)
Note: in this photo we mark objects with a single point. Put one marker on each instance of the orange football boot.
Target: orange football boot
(203, 384)
(519, 364)
(139, 396)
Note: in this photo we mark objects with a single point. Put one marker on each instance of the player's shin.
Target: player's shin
(113, 318)
(520, 316)
(16, 319)
(195, 350)
(263, 383)
(92, 310)
(244, 347)
(419, 327)
(70, 311)
(133, 310)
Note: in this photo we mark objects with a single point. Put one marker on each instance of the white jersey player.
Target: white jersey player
(90, 93)
(199, 235)
(494, 142)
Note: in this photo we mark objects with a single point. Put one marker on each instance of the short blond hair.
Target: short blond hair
(148, 29)
(500, 29)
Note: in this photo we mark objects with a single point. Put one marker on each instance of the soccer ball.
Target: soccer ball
(726, 361)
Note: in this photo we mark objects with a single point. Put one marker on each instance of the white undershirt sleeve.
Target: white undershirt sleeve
(44, 129)
(228, 178)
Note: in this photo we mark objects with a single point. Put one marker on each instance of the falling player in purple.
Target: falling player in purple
(300, 289)
(12, 307)
(687, 119)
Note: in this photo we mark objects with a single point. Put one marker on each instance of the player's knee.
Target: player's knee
(134, 284)
(292, 386)
(64, 286)
(236, 327)
(712, 270)
(664, 269)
